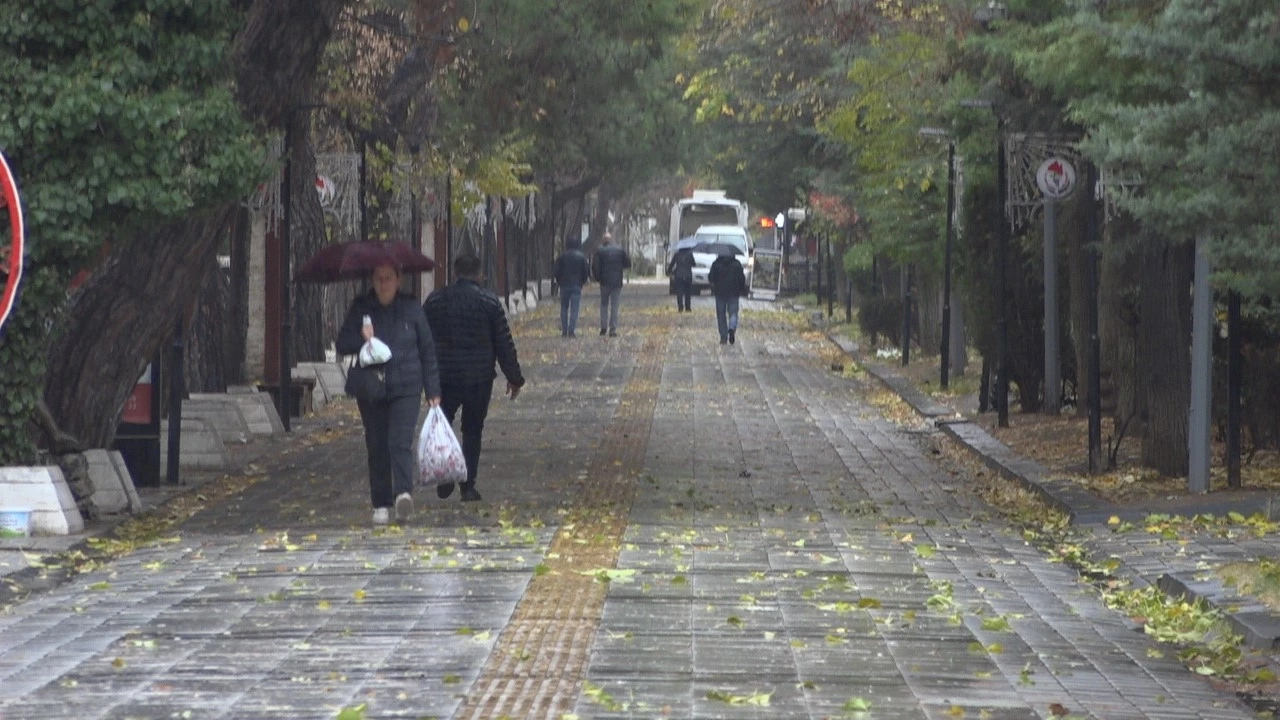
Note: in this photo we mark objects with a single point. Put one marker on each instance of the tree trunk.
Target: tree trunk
(1118, 321)
(122, 316)
(1025, 317)
(1164, 339)
(959, 337)
(929, 309)
(126, 311)
(278, 53)
(236, 329)
(306, 237)
(600, 214)
(1072, 232)
(203, 359)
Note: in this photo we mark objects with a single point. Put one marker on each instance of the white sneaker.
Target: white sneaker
(404, 507)
(381, 516)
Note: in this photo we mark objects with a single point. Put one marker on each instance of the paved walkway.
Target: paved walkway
(671, 528)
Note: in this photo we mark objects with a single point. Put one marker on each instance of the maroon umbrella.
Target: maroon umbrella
(354, 260)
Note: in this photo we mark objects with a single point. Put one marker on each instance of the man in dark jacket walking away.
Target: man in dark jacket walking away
(572, 272)
(681, 271)
(729, 283)
(610, 263)
(471, 333)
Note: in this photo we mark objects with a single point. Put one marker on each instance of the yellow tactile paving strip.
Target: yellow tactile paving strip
(540, 660)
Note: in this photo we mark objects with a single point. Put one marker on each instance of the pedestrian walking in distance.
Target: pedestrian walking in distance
(389, 424)
(729, 284)
(572, 271)
(609, 264)
(681, 271)
(471, 333)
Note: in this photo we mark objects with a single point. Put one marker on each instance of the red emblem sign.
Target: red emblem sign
(11, 252)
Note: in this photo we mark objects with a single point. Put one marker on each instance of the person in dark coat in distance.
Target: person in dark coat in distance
(728, 283)
(608, 267)
(389, 425)
(681, 271)
(471, 332)
(572, 271)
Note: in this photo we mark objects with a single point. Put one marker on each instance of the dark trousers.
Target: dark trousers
(474, 401)
(388, 440)
(726, 315)
(684, 293)
(570, 300)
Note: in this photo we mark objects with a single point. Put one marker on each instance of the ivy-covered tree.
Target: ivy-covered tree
(119, 118)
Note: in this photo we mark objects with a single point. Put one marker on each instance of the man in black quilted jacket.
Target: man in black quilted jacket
(608, 267)
(471, 333)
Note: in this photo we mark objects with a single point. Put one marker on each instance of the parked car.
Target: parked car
(711, 241)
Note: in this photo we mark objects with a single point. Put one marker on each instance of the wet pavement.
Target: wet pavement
(671, 528)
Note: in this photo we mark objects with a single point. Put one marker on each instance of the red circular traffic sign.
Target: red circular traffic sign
(10, 255)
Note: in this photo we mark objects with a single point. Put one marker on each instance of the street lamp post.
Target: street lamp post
(945, 351)
(781, 223)
(1002, 251)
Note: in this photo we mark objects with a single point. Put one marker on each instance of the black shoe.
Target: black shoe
(723, 341)
(444, 490)
(733, 336)
(613, 333)
(602, 331)
(573, 334)
(469, 492)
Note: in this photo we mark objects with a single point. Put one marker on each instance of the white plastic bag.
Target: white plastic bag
(374, 352)
(440, 459)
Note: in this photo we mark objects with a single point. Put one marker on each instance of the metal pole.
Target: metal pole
(848, 298)
(906, 314)
(416, 240)
(1235, 366)
(487, 236)
(364, 210)
(1201, 372)
(945, 362)
(1052, 368)
(1093, 240)
(817, 239)
(551, 235)
(176, 392)
(506, 242)
(785, 282)
(525, 235)
(831, 279)
(448, 227)
(286, 319)
(1002, 250)
(875, 293)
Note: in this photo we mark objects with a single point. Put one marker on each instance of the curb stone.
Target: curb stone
(1259, 627)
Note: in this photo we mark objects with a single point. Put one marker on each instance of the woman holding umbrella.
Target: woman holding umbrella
(397, 320)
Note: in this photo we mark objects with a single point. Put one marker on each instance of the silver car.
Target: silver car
(712, 241)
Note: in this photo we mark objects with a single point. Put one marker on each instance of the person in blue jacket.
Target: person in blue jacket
(389, 425)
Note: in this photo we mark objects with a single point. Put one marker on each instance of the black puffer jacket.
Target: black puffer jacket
(727, 278)
(402, 326)
(572, 269)
(471, 332)
(609, 264)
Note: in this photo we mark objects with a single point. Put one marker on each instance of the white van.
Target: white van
(733, 235)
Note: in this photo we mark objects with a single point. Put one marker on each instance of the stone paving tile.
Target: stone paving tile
(775, 537)
(829, 494)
